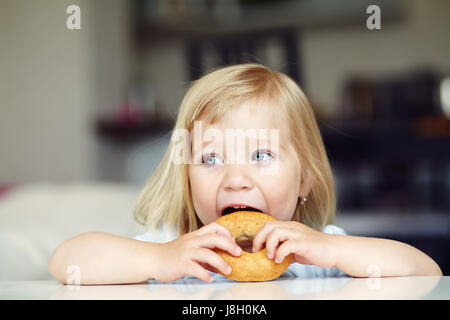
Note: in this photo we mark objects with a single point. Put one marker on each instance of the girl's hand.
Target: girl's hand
(192, 254)
(307, 245)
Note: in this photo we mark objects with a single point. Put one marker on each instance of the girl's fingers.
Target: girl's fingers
(194, 269)
(274, 238)
(288, 247)
(261, 236)
(221, 242)
(214, 227)
(212, 259)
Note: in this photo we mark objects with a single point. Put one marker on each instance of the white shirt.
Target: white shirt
(295, 269)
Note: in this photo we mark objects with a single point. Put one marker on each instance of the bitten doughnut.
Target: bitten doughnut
(244, 225)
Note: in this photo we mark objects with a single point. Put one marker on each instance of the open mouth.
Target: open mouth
(229, 210)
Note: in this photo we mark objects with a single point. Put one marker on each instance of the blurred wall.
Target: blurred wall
(53, 81)
(329, 55)
(420, 39)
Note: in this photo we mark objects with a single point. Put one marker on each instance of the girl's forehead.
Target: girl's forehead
(249, 115)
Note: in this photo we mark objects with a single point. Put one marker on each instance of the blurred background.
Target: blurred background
(86, 114)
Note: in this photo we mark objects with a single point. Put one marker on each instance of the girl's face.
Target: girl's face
(218, 182)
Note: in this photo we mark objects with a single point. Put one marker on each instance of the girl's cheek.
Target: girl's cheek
(273, 178)
(203, 183)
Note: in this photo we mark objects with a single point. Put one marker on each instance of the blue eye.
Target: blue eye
(209, 159)
(260, 155)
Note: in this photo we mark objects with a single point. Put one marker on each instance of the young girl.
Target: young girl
(287, 176)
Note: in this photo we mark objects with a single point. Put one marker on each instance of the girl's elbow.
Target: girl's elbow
(437, 270)
(54, 268)
(57, 264)
(431, 268)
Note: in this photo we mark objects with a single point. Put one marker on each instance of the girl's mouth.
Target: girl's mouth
(229, 210)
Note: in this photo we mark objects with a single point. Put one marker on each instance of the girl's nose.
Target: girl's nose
(237, 177)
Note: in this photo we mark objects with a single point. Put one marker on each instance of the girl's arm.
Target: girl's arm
(365, 257)
(102, 258)
(355, 256)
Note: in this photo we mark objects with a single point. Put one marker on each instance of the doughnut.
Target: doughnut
(250, 266)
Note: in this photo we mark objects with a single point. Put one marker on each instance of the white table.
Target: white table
(286, 289)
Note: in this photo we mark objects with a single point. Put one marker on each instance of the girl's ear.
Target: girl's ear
(306, 184)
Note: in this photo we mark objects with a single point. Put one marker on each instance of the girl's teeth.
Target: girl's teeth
(240, 207)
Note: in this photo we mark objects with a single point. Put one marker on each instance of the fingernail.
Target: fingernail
(238, 251)
(228, 270)
(269, 255)
(277, 260)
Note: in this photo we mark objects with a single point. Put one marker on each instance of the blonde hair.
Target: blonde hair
(166, 198)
